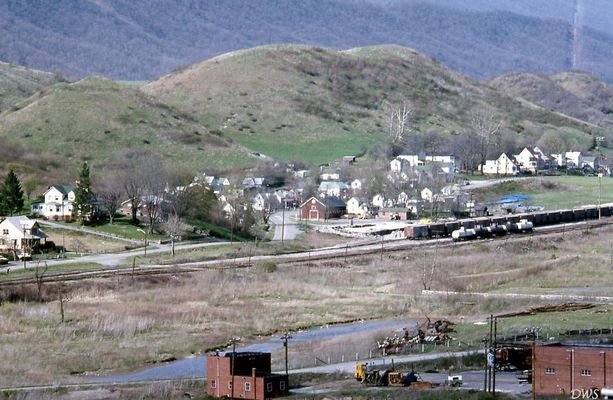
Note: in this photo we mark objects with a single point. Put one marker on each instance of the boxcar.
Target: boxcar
(452, 226)
(605, 211)
(591, 212)
(416, 231)
(579, 214)
(540, 218)
(553, 217)
(437, 229)
(467, 223)
(566, 216)
(499, 220)
(483, 221)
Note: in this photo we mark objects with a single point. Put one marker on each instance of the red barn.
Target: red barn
(251, 377)
(570, 369)
(330, 207)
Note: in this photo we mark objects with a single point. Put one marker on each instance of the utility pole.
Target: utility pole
(494, 365)
(234, 340)
(285, 339)
(23, 246)
(600, 194)
(283, 223)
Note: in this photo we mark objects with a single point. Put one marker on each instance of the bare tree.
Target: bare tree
(399, 116)
(110, 193)
(173, 227)
(132, 188)
(154, 185)
(428, 270)
(39, 274)
(486, 127)
(63, 299)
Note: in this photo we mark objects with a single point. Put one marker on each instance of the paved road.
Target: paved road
(285, 226)
(114, 259)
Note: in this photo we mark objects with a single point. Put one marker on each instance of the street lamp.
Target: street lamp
(144, 233)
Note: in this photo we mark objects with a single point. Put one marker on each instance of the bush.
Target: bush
(268, 266)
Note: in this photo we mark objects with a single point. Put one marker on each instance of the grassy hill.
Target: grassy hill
(17, 83)
(576, 94)
(313, 104)
(103, 122)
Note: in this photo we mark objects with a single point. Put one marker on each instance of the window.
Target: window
(550, 371)
(282, 385)
(269, 387)
(229, 385)
(586, 372)
(5, 231)
(247, 386)
(213, 383)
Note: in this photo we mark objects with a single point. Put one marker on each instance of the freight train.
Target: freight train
(482, 227)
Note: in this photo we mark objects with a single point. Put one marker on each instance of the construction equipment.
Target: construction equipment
(369, 375)
(454, 380)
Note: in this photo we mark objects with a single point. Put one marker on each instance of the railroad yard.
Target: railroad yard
(185, 309)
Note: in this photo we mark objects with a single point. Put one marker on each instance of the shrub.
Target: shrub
(268, 266)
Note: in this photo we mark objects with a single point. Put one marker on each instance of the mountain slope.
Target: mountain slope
(137, 39)
(576, 94)
(313, 104)
(17, 83)
(105, 122)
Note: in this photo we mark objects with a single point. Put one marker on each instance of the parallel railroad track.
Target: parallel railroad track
(349, 251)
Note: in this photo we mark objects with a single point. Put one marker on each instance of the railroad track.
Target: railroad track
(361, 249)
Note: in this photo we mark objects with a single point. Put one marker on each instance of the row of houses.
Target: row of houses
(531, 161)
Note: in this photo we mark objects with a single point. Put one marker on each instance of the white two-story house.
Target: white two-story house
(58, 203)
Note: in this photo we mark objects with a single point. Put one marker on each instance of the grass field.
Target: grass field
(177, 315)
(553, 192)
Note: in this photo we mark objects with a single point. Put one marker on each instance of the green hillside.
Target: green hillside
(576, 94)
(103, 122)
(17, 83)
(313, 104)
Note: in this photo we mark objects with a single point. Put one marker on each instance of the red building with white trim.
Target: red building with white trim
(251, 376)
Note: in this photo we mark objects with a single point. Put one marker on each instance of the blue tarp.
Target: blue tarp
(514, 198)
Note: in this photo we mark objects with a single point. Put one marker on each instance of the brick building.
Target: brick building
(252, 378)
(562, 369)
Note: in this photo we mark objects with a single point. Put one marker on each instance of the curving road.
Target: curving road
(285, 226)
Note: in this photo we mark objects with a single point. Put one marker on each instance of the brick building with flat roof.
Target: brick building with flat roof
(251, 377)
(564, 368)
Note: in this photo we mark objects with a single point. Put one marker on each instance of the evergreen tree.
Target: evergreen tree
(82, 205)
(11, 196)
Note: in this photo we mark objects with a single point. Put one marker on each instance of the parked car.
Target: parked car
(3, 260)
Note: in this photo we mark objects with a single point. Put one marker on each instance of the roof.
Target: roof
(395, 209)
(334, 202)
(20, 222)
(327, 185)
(64, 189)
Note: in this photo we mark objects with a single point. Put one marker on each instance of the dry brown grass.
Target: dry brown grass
(116, 325)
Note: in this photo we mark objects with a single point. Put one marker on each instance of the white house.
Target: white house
(427, 195)
(17, 233)
(58, 203)
(501, 166)
(378, 200)
(356, 186)
(333, 189)
(329, 174)
(558, 159)
(357, 207)
(527, 161)
(574, 159)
